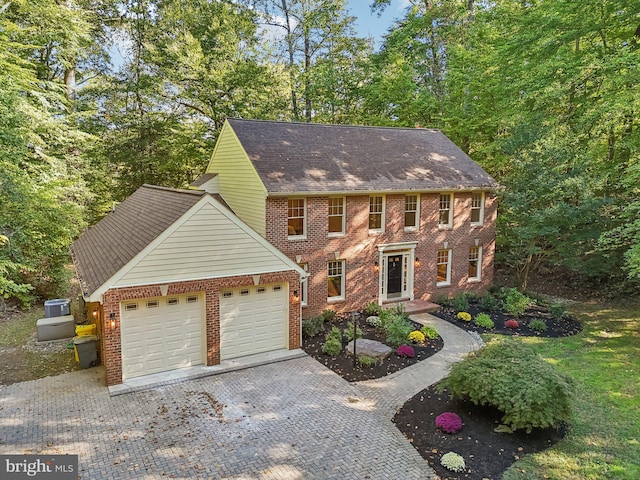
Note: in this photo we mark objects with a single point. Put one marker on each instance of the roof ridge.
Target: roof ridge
(175, 190)
(385, 127)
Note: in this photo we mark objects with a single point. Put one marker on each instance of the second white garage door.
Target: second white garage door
(253, 320)
(160, 334)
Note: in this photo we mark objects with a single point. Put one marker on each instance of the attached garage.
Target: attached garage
(160, 334)
(253, 320)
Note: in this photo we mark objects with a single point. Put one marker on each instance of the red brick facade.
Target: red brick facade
(360, 249)
(112, 357)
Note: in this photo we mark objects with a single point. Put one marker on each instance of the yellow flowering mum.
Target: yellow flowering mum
(464, 316)
(416, 336)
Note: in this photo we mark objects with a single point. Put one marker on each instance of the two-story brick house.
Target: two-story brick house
(371, 213)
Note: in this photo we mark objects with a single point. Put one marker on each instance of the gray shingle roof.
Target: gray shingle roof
(110, 244)
(308, 158)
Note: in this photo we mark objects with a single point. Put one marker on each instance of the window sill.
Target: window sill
(476, 225)
(411, 229)
(443, 284)
(293, 238)
(336, 234)
(335, 299)
(376, 232)
(445, 227)
(474, 280)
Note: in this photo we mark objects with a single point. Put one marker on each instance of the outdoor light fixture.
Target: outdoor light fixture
(376, 267)
(417, 262)
(94, 313)
(296, 297)
(112, 316)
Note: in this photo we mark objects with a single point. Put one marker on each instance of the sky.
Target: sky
(369, 24)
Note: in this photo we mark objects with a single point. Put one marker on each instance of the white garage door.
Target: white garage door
(253, 320)
(160, 334)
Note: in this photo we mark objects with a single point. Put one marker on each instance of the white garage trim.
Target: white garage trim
(254, 319)
(162, 333)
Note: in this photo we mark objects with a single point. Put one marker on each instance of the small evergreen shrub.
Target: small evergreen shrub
(372, 308)
(443, 300)
(334, 334)
(328, 315)
(366, 361)
(538, 325)
(406, 351)
(449, 422)
(312, 326)
(512, 324)
(464, 316)
(483, 320)
(557, 310)
(472, 297)
(332, 347)
(515, 303)
(397, 330)
(512, 377)
(374, 321)
(489, 302)
(454, 462)
(430, 332)
(386, 315)
(416, 336)
(460, 302)
(348, 332)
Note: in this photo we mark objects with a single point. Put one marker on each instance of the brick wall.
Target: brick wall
(211, 289)
(359, 248)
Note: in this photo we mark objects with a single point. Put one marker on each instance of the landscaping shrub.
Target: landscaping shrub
(443, 300)
(372, 308)
(334, 334)
(483, 320)
(538, 325)
(489, 302)
(348, 332)
(312, 326)
(406, 351)
(512, 377)
(397, 330)
(328, 315)
(512, 324)
(374, 321)
(454, 462)
(464, 316)
(460, 302)
(472, 297)
(332, 347)
(515, 303)
(557, 310)
(366, 361)
(386, 315)
(416, 336)
(429, 331)
(449, 422)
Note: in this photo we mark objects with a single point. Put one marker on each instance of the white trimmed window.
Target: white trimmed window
(411, 213)
(443, 277)
(446, 210)
(335, 280)
(336, 216)
(376, 213)
(475, 264)
(297, 209)
(477, 208)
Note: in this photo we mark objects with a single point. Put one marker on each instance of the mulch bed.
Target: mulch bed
(555, 327)
(487, 454)
(343, 363)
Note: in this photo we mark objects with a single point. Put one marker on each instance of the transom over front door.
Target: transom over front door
(394, 276)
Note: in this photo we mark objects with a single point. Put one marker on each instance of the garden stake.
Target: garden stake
(355, 337)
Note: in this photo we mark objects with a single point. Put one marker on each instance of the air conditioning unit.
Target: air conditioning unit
(58, 307)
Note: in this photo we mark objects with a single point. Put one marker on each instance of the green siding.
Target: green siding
(240, 185)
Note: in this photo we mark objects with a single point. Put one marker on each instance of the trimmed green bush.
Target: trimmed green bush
(332, 347)
(398, 330)
(334, 334)
(312, 326)
(443, 300)
(557, 310)
(515, 303)
(328, 315)
(348, 332)
(483, 320)
(366, 361)
(372, 309)
(489, 302)
(429, 331)
(538, 325)
(460, 302)
(472, 297)
(513, 378)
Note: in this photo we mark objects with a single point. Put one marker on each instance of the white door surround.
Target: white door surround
(396, 277)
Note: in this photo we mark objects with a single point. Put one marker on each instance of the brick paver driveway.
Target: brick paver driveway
(288, 420)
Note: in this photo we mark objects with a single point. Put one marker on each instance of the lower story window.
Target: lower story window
(475, 263)
(444, 267)
(335, 279)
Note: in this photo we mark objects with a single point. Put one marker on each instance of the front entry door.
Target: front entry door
(394, 276)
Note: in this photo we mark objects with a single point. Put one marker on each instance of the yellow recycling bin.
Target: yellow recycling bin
(83, 331)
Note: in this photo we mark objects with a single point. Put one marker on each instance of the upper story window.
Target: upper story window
(475, 264)
(376, 213)
(443, 277)
(446, 210)
(411, 212)
(336, 216)
(335, 280)
(297, 209)
(477, 208)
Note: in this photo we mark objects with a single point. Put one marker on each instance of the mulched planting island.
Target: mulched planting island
(487, 454)
(563, 327)
(343, 363)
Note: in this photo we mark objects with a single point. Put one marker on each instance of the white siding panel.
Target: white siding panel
(240, 185)
(206, 245)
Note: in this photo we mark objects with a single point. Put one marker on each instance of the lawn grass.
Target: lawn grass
(603, 441)
(16, 330)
